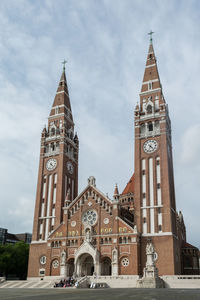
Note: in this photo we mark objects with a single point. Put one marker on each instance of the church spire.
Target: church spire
(151, 80)
(62, 101)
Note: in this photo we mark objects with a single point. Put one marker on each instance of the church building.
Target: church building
(89, 233)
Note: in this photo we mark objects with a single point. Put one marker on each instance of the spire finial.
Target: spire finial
(64, 63)
(150, 34)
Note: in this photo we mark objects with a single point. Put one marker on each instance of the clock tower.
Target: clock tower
(154, 196)
(58, 166)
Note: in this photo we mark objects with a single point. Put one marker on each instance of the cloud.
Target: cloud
(190, 144)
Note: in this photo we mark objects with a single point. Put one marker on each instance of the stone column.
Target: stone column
(63, 271)
(97, 268)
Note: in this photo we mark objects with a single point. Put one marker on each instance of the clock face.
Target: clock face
(150, 146)
(70, 167)
(89, 217)
(51, 164)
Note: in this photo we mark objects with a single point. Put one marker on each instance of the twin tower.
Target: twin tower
(90, 233)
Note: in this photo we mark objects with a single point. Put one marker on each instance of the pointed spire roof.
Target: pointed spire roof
(62, 97)
(116, 191)
(151, 79)
(62, 91)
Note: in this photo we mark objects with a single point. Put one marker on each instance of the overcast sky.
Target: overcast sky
(105, 44)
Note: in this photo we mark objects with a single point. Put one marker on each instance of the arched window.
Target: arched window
(52, 147)
(150, 85)
(149, 108)
(52, 131)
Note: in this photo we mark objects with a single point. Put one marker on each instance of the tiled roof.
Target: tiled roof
(130, 186)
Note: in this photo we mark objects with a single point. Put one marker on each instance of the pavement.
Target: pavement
(99, 294)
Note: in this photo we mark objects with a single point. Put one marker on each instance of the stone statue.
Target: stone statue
(114, 255)
(63, 257)
(88, 235)
(92, 181)
(150, 248)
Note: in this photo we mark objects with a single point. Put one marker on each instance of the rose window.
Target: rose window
(89, 217)
(125, 262)
(55, 264)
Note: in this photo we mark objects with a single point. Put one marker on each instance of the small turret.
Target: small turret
(76, 141)
(116, 193)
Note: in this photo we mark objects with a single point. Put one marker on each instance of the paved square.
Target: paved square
(100, 294)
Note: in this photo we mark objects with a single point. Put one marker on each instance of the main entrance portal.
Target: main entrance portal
(85, 265)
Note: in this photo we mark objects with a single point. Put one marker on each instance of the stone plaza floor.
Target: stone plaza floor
(100, 294)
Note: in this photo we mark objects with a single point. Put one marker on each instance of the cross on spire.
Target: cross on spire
(64, 63)
(150, 34)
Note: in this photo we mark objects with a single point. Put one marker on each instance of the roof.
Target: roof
(187, 245)
(130, 186)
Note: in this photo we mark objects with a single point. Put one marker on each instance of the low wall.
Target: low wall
(46, 278)
(128, 281)
(182, 281)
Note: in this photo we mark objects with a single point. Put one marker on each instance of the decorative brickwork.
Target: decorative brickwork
(90, 233)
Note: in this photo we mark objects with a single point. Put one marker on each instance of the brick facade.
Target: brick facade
(91, 233)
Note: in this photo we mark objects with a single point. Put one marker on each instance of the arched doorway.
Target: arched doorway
(106, 266)
(70, 267)
(85, 265)
(55, 267)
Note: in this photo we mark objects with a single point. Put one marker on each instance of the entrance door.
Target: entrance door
(85, 265)
(71, 267)
(106, 266)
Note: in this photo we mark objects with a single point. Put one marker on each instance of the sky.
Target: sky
(105, 43)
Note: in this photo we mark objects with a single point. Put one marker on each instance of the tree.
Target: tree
(14, 260)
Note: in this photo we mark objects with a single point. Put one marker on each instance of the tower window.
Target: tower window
(160, 228)
(142, 128)
(52, 131)
(144, 220)
(52, 147)
(157, 126)
(57, 110)
(144, 195)
(150, 85)
(57, 145)
(150, 126)
(158, 185)
(149, 109)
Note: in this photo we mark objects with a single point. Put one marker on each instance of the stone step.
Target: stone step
(26, 284)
